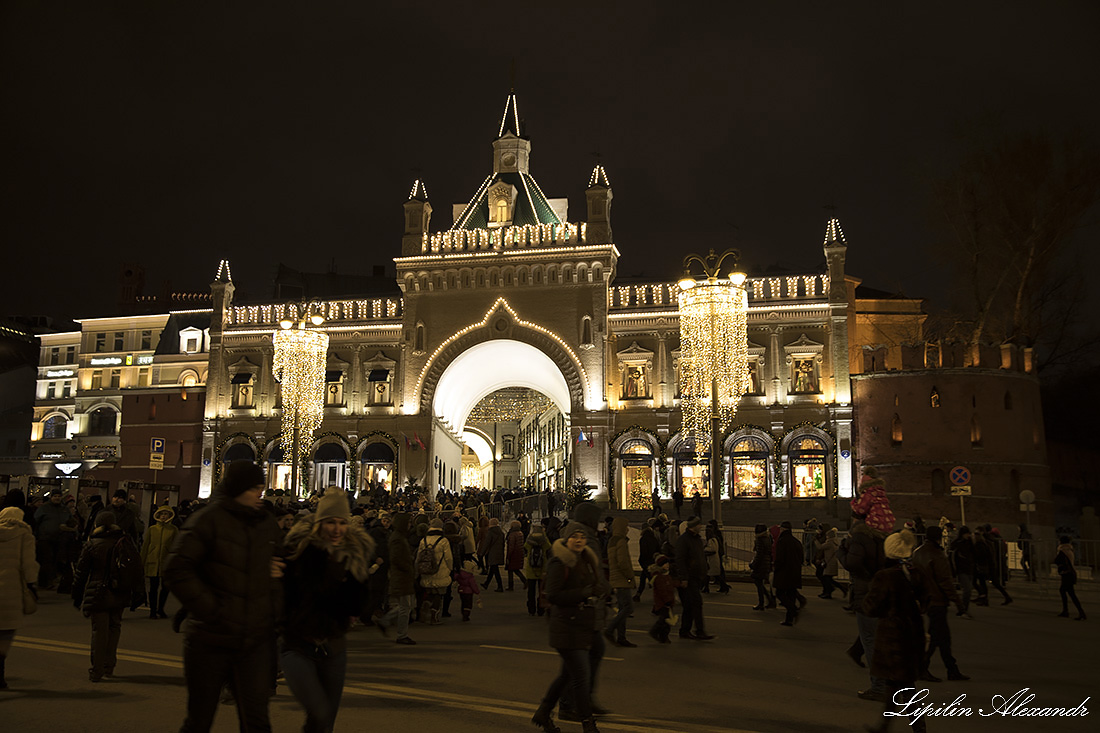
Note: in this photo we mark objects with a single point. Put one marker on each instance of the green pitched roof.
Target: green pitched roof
(531, 205)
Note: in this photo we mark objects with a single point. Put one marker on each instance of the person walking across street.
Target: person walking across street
(962, 553)
(108, 578)
(18, 576)
(760, 567)
(225, 572)
(827, 547)
(789, 558)
(536, 554)
(1065, 561)
(862, 555)
(932, 561)
(48, 522)
(435, 567)
(154, 554)
(691, 569)
(492, 550)
(402, 580)
(621, 577)
(324, 587)
(574, 587)
(649, 544)
(895, 597)
(513, 554)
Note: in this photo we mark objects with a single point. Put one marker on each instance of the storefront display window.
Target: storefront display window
(377, 468)
(749, 468)
(636, 475)
(807, 462)
(692, 473)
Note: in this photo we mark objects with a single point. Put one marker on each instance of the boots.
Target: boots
(542, 719)
(588, 725)
(3, 682)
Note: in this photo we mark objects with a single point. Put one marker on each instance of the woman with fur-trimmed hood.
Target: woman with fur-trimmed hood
(574, 587)
(17, 568)
(325, 586)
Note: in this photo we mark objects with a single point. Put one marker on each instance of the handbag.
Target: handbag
(30, 599)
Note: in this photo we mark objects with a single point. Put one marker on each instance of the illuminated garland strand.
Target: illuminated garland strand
(714, 347)
(299, 367)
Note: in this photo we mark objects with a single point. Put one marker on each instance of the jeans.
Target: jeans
(966, 587)
(158, 595)
(574, 682)
(867, 626)
(316, 677)
(939, 638)
(617, 626)
(595, 654)
(400, 609)
(208, 668)
(106, 630)
(763, 597)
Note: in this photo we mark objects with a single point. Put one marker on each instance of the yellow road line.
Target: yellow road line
(510, 708)
(84, 647)
(537, 651)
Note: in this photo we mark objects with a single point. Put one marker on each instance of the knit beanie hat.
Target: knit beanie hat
(436, 523)
(660, 560)
(900, 545)
(333, 505)
(572, 528)
(239, 477)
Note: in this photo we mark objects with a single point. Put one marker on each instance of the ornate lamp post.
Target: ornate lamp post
(299, 367)
(714, 355)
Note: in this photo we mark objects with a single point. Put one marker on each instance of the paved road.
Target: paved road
(489, 674)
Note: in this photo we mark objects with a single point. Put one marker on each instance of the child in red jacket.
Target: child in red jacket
(872, 502)
(467, 587)
(664, 598)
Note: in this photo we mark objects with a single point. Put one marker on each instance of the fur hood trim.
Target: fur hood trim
(569, 558)
(357, 550)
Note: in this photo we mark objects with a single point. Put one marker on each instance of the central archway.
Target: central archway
(492, 365)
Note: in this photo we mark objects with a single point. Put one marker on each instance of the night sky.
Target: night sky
(175, 134)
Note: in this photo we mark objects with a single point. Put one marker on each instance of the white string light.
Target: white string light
(299, 368)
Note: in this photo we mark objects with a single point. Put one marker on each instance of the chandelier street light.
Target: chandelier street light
(299, 368)
(713, 355)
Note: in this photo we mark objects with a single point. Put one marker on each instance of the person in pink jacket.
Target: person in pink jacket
(467, 587)
(871, 500)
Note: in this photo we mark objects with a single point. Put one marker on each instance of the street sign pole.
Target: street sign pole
(962, 510)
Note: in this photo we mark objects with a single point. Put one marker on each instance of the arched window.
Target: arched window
(749, 468)
(636, 476)
(239, 452)
(975, 432)
(586, 331)
(419, 344)
(102, 421)
(807, 458)
(895, 430)
(939, 482)
(55, 428)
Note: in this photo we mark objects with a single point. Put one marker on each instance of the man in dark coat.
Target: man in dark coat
(224, 570)
(678, 500)
(492, 549)
(648, 547)
(962, 554)
(124, 515)
(788, 572)
(691, 568)
(932, 562)
(862, 556)
(402, 579)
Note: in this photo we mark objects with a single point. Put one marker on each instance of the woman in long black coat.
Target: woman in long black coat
(761, 568)
(897, 594)
(574, 585)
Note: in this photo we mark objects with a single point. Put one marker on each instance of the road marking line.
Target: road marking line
(537, 651)
(510, 708)
(84, 647)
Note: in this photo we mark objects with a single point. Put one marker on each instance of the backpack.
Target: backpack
(426, 561)
(535, 559)
(125, 572)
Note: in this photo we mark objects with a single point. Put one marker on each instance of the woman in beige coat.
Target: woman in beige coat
(17, 566)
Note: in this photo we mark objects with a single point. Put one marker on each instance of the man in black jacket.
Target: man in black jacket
(932, 561)
(788, 572)
(648, 547)
(224, 570)
(962, 552)
(691, 568)
(862, 555)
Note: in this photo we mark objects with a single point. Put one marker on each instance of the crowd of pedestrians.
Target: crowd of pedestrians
(270, 587)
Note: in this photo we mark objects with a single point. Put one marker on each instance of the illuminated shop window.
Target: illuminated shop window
(636, 476)
(807, 457)
(749, 468)
(334, 388)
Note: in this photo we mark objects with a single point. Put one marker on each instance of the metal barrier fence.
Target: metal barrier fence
(741, 540)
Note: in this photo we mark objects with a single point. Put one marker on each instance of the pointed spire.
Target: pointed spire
(598, 177)
(223, 275)
(419, 191)
(509, 122)
(833, 232)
